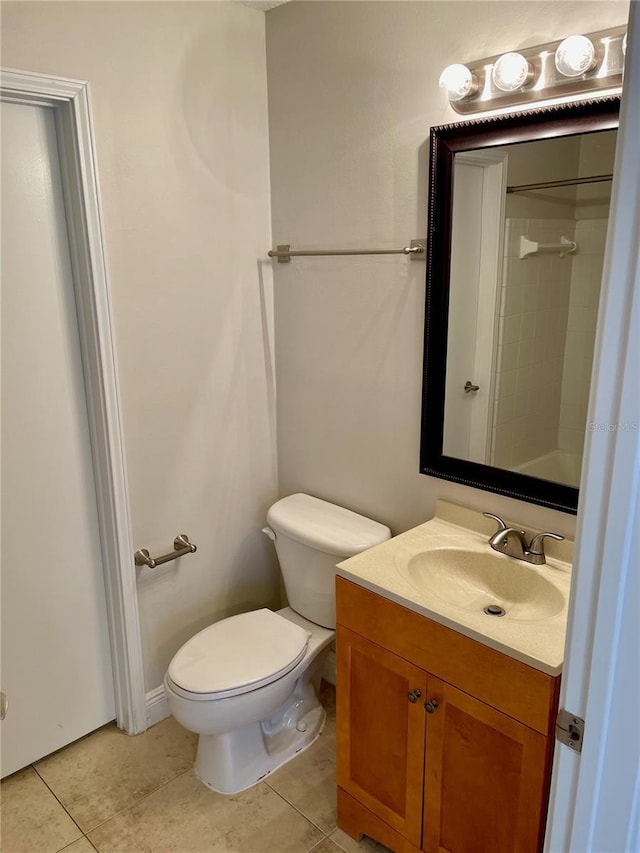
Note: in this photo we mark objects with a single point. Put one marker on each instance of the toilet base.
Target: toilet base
(231, 762)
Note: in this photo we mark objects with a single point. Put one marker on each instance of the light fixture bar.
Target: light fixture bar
(546, 82)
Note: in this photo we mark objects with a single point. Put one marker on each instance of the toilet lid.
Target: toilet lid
(239, 654)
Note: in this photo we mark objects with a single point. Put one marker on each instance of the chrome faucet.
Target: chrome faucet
(513, 543)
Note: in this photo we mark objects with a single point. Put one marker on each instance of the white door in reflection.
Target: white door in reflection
(479, 186)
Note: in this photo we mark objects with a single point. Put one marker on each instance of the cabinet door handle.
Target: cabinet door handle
(431, 707)
(414, 695)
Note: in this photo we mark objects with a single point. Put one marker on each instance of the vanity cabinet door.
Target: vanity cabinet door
(485, 778)
(381, 732)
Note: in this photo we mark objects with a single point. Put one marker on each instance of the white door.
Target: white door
(595, 794)
(56, 663)
(463, 314)
(478, 224)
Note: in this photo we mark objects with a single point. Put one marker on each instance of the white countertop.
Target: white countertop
(382, 569)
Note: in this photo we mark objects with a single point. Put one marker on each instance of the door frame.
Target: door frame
(69, 99)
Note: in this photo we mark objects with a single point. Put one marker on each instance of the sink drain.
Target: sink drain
(494, 610)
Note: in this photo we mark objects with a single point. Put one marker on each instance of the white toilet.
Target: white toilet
(247, 684)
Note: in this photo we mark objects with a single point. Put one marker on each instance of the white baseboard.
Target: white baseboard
(157, 706)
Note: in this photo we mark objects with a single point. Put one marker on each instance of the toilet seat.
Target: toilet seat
(236, 655)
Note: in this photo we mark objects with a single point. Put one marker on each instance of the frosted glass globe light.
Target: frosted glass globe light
(575, 56)
(510, 72)
(458, 81)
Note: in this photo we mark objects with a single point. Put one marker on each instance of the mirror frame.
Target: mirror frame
(445, 142)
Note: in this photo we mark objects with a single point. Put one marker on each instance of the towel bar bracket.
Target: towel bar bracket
(181, 546)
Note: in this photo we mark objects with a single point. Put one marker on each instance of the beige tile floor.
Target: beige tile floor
(119, 794)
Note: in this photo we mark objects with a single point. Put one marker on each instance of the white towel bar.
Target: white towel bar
(532, 247)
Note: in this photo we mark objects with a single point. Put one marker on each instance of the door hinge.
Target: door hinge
(570, 730)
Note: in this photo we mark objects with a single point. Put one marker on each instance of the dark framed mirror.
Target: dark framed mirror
(518, 214)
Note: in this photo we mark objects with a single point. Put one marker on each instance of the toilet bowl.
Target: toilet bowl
(247, 685)
(249, 731)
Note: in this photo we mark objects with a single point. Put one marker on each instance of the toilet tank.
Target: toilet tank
(312, 536)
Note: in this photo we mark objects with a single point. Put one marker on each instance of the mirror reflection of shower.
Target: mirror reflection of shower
(549, 306)
(528, 236)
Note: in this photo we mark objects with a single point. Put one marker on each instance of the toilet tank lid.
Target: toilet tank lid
(325, 526)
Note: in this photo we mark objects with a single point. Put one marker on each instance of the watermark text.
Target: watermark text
(598, 426)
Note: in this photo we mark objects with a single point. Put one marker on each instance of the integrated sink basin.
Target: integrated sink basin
(485, 582)
(446, 570)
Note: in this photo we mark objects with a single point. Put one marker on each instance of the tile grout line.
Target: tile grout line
(53, 793)
(302, 814)
(140, 800)
(60, 803)
(325, 835)
(322, 840)
(86, 838)
(115, 814)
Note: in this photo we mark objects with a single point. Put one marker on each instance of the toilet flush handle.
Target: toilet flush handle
(270, 533)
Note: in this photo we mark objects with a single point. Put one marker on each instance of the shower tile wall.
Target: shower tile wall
(534, 310)
(581, 329)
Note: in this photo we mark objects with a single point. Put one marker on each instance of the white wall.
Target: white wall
(353, 91)
(597, 153)
(542, 160)
(558, 295)
(534, 306)
(179, 101)
(586, 276)
(180, 106)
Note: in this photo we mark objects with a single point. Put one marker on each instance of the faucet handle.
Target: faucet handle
(537, 546)
(497, 518)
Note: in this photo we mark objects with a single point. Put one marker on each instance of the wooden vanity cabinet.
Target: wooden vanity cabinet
(468, 773)
(381, 738)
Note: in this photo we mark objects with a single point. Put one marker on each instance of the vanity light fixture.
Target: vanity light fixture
(579, 65)
(511, 72)
(458, 81)
(576, 56)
